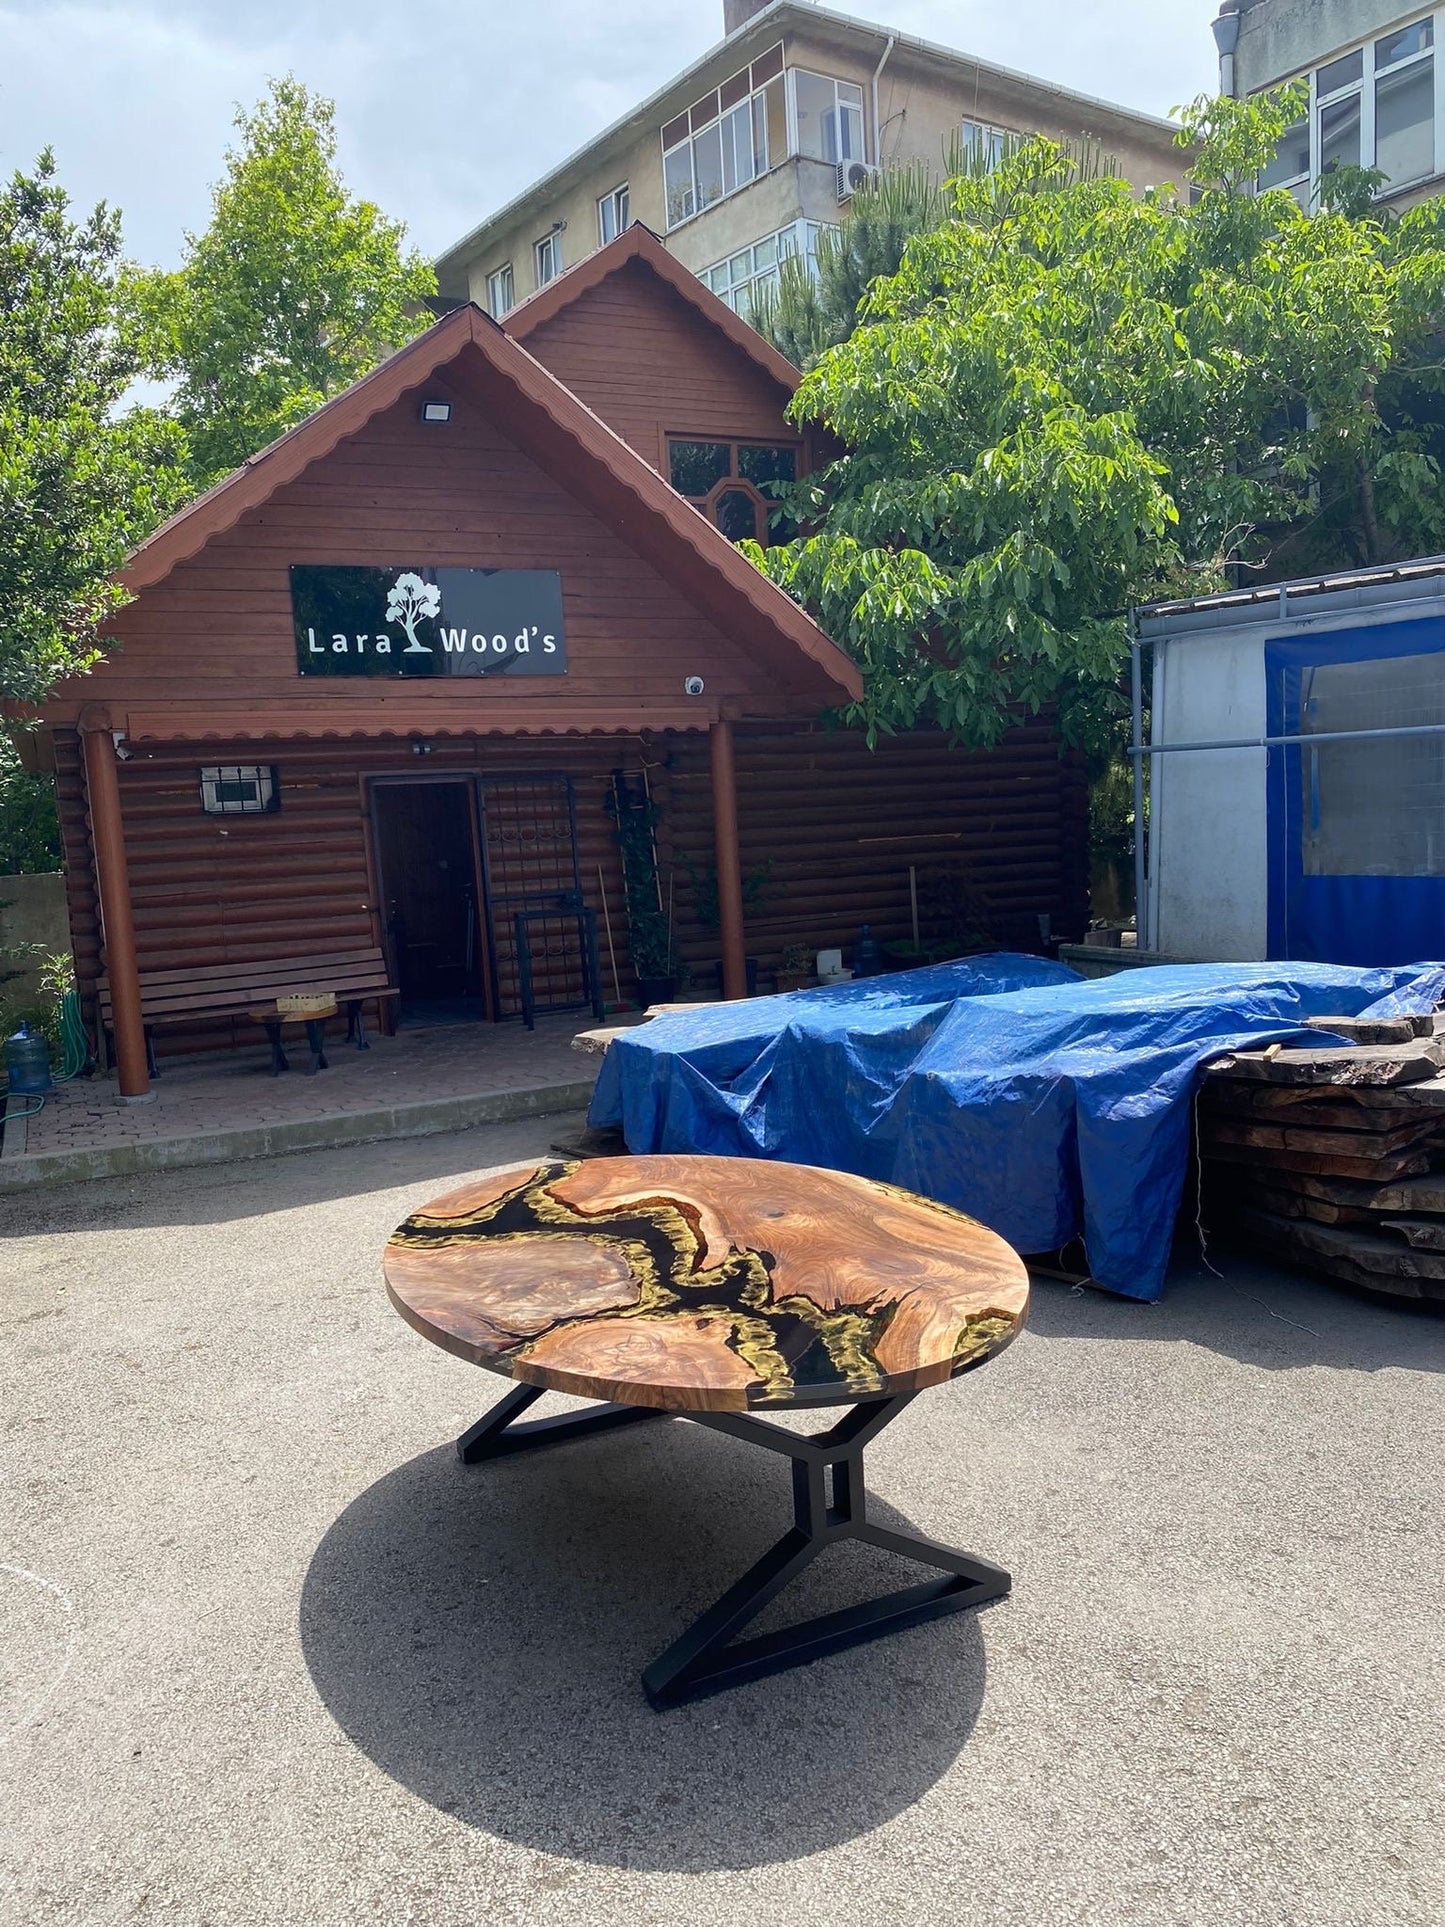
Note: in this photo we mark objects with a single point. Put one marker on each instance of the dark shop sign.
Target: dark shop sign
(427, 622)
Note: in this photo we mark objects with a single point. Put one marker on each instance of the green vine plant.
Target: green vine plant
(649, 928)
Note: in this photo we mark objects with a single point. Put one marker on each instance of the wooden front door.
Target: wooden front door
(427, 853)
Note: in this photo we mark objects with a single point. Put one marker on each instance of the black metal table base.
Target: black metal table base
(829, 1506)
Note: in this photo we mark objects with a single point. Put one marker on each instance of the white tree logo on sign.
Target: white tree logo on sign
(410, 601)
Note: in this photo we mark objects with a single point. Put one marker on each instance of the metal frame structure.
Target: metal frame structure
(565, 908)
(829, 1506)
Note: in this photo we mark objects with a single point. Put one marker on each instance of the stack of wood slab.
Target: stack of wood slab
(1333, 1159)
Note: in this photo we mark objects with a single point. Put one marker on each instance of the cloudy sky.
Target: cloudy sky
(446, 108)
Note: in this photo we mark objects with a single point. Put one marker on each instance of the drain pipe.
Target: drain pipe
(1226, 39)
(877, 124)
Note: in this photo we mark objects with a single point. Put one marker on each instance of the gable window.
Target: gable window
(728, 482)
(501, 296)
(548, 252)
(726, 139)
(614, 214)
(829, 116)
(1371, 107)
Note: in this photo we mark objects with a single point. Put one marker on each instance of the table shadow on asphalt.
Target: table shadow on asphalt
(478, 1633)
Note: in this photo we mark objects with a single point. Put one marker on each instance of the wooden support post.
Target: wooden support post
(112, 878)
(729, 864)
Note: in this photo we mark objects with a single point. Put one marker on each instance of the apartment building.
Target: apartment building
(1376, 91)
(742, 159)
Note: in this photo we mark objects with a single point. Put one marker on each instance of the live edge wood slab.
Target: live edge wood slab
(705, 1284)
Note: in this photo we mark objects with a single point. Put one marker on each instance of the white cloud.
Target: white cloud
(447, 108)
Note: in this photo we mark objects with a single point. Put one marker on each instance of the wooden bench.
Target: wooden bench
(171, 997)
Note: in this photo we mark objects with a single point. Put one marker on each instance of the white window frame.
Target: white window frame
(987, 134)
(620, 203)
(748, 103)
(1365, 89)
(496, 306)
(798, 238)
(794, 146)
(548, 247)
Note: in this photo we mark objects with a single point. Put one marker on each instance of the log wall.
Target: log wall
(833, 824)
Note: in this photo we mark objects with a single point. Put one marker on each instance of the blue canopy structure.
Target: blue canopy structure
(1046, 1106)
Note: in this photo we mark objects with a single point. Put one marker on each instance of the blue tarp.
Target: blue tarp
(1047, 1106)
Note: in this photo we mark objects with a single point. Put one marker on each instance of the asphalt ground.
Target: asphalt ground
(271, 1655)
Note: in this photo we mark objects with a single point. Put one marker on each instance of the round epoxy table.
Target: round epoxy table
(708, 1289)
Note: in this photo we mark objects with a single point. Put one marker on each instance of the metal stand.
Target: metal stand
(829, 1505)
(564, 907)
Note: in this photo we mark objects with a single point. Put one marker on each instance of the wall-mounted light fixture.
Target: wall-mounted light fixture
(436, 411)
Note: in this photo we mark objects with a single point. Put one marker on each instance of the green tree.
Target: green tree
(815, 306)
(293, 292)
(29, 826)
(810, 311)
(1068, 399)
(81, 481)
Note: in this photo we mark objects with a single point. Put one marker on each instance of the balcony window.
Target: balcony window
(726, 139)
(1371, 107)
(1405, 121)
(829, 117)
(749, 273)
(614, 214)
(752, 123)
(1340, 134)
(1291, 164)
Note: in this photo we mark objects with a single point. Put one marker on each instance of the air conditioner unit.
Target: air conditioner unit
(851, 176)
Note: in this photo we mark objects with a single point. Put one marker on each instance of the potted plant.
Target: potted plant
(795, 968)
(649, 925)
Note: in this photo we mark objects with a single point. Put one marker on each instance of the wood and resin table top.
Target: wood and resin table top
(705, 1284)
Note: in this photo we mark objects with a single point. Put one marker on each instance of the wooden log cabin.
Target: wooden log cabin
(385, 684)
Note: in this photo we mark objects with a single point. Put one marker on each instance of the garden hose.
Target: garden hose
(74, 1044)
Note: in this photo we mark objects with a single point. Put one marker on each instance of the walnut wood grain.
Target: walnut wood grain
(705, 1284)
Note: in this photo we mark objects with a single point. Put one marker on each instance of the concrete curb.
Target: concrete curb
(303, 1134)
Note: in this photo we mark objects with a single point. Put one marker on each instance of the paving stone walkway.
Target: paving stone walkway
(437, 1077)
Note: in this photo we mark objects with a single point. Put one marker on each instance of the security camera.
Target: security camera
(694, 686)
